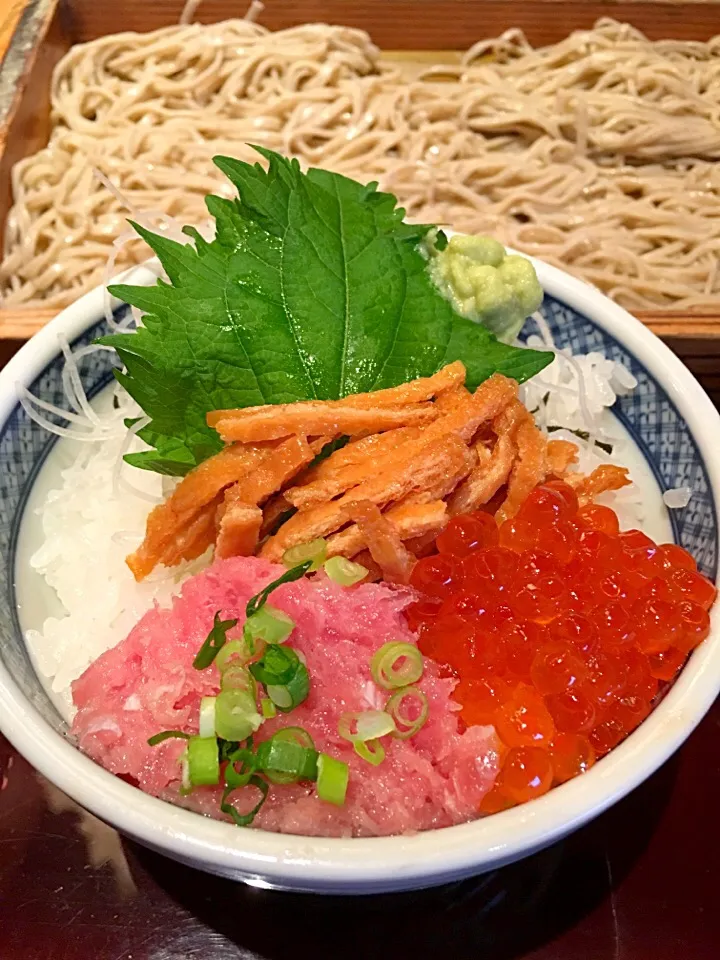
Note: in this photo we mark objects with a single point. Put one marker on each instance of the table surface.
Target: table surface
(640, 883)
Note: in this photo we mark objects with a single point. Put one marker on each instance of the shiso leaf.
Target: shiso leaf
(313, 287)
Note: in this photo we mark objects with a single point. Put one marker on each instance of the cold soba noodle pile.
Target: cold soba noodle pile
(597, 154)
(392, 594)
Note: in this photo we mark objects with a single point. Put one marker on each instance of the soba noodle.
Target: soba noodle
(597, 154)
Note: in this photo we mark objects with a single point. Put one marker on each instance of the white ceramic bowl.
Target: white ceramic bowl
(395, 863)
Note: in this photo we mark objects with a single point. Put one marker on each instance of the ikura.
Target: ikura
(560, 629)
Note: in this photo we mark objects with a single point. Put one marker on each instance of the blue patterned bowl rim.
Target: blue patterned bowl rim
(678, 428)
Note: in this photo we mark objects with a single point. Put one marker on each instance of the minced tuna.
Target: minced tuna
(147, 684)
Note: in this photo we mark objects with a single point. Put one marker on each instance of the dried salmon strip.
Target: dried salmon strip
(603, 478)
(336, 474)
(487, 478)
(274, 471)
(382, 540)
(561, 454)
(428, 466)
(529, 469)
(275, 509)
(193, 541)
(320, 418)
(238, 528)
(409, 520)
(170, 519)
(416, 391)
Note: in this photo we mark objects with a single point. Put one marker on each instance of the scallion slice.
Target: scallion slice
(235, 778)
(284, 761)
(407, 725)
(371, 750)
(269, 624)
(207, 717)
(267, 708)
(332, 779)
(203, 761)
(396, 665)
(260, 599)
(245, 819)
(295, 735)
(236, 716)
(315, 551)
(235, 653)
(167, 735)
(214, 642)
(367, 725)
(345, 572)
(284, 676)
(238, 678)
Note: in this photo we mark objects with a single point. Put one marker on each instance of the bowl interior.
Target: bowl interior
(648, 414)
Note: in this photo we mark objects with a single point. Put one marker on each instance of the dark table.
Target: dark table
(640, 883)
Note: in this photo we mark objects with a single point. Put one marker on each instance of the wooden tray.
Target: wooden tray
(34, 34)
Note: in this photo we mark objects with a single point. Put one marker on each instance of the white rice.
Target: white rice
(97, 514)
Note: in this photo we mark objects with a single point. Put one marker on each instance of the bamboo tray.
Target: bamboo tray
(34, 34)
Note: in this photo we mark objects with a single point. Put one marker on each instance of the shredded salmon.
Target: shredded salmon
(427, 467)
(168, 520)
(321, 418)
(529, 469)
(374, 573)
(561, 454)
(274, 471)
(193, 541)
(342, 468)
(603, 478)
(408, 520)
(416, 391)
(238, 528)
(413, 456)
(382, 540)
(486, 479)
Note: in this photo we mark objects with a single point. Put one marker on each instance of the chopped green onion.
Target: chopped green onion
(371, 750)
(280, 697)
(248, 764)
(295, 735)
(396, 665)
(235, 653)
(407, 726)
(315, 551)
(236, 716)
(284, 676)
(345, 572)
(167, 735)
(285, 761)
(203, 761)
(276, 666)
(207, 717)
(238, 678)
(267, 708)
(260, 599)
(269, 624)
(367, 725)
(332, 779)
(214, 642)
(245, 819)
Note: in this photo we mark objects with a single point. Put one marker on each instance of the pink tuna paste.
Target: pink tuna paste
(147, 684)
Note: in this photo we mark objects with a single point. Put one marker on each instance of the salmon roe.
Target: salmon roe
(560, 629)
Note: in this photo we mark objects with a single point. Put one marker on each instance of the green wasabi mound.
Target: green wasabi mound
(486, 284)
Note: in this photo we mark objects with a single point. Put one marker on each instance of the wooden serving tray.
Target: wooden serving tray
(34, 34)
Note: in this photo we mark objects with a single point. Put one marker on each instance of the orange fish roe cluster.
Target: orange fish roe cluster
(560, 629)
